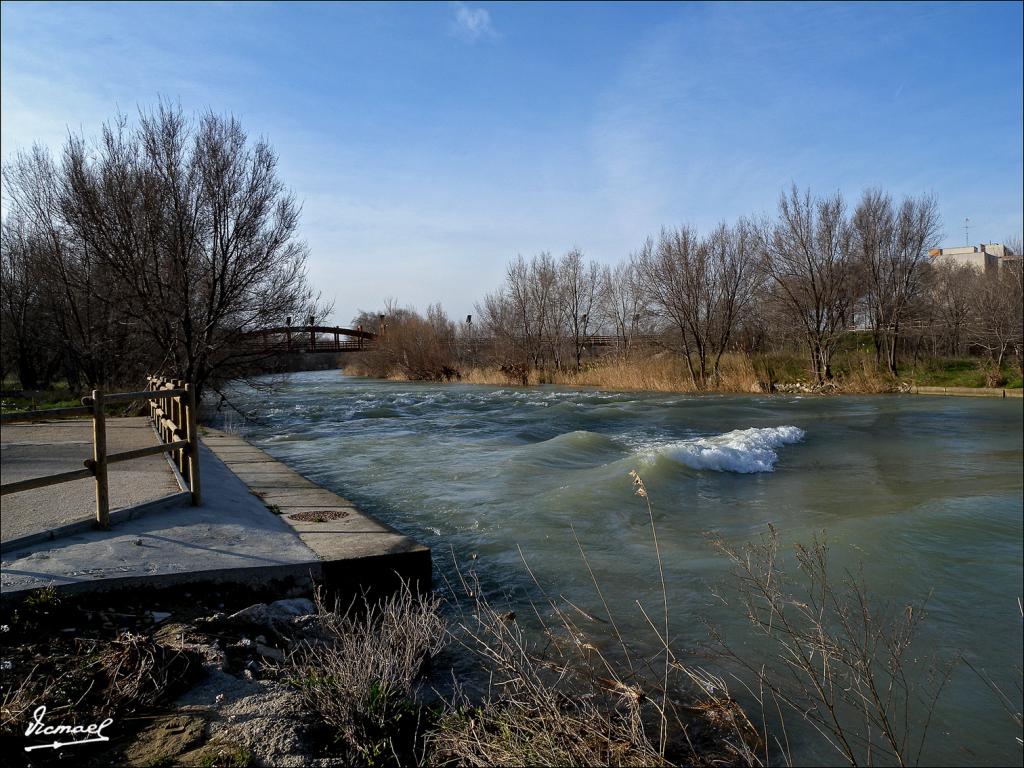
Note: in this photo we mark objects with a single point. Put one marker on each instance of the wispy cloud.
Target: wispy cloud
(472, 23)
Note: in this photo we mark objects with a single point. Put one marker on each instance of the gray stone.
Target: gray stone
(279, 612)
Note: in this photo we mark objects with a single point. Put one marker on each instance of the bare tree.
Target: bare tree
(952, 289)
(580, 283)
(545, 295)
(735, 271)
(622, 302)
(892, 247)
(408, 344)
(22, 308)
(165, 241)
(83, 308)
(808, 254)
(667, 271)
(700, 287)
(997, 322)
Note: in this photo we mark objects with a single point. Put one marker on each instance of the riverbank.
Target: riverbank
(738, 375)
(208, 678)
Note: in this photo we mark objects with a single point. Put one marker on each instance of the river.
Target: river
(924, 492)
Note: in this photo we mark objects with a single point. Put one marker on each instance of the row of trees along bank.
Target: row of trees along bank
(801, 282)
(147, 251)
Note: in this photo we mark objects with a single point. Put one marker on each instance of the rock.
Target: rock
(158, 616)
(165, 739)
(219, 754)
(277, 613)
(269, 652)
(265, 718)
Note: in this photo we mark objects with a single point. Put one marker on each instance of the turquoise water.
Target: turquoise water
(925, 492)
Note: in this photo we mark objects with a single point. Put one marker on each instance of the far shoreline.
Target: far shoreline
(780, 390)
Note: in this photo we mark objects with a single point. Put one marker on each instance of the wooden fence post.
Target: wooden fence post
(192, 435)
(99, 457)
(165, 406)
(179, 421)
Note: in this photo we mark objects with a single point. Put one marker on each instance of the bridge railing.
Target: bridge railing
(172, 407)
(316, 338)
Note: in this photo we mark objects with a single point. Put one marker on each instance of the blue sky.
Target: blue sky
(430, 143)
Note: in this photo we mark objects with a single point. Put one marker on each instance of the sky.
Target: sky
(431, 143)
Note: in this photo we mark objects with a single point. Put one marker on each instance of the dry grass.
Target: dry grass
(666, 372)
(359, 676)
(662, 372)
(141, 672)
(557, 699)
(846, 666)
(861, 375)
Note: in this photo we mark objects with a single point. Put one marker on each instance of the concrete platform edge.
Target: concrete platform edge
(79, 526)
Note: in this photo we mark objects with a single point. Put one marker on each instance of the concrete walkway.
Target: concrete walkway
(969, 391)
(328, 523)
(47, 447)
(231, 530)
(261, 525)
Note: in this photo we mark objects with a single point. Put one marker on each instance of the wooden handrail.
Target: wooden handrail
(138, 453)
(127, 397)
(52, 413)
(172, 406)
(45, 480)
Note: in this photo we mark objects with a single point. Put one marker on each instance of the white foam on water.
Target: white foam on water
(742, 450)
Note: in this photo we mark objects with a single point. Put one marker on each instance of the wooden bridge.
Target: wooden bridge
(308, 338)
(332, 339)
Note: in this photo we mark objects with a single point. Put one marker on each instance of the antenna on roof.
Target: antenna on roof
(967, 230)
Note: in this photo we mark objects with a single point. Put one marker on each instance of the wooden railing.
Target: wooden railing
(172, 407)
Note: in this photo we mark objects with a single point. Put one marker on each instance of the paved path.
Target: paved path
(231, 530)
(47, 447)
(260, 525)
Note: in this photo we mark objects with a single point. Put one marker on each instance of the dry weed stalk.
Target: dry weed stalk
(559, 700)
(359, 674)
(845, 666)
(141, 672)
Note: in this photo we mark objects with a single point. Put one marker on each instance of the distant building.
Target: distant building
(986, 257)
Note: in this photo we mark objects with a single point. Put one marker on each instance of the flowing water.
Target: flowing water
(925, 492)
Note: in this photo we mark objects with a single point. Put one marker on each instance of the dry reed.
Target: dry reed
(359, 671)
(843, 664)
(662, 372)
(557, 699)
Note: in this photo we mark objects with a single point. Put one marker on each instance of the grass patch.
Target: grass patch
(964, 372)
(360, 676)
